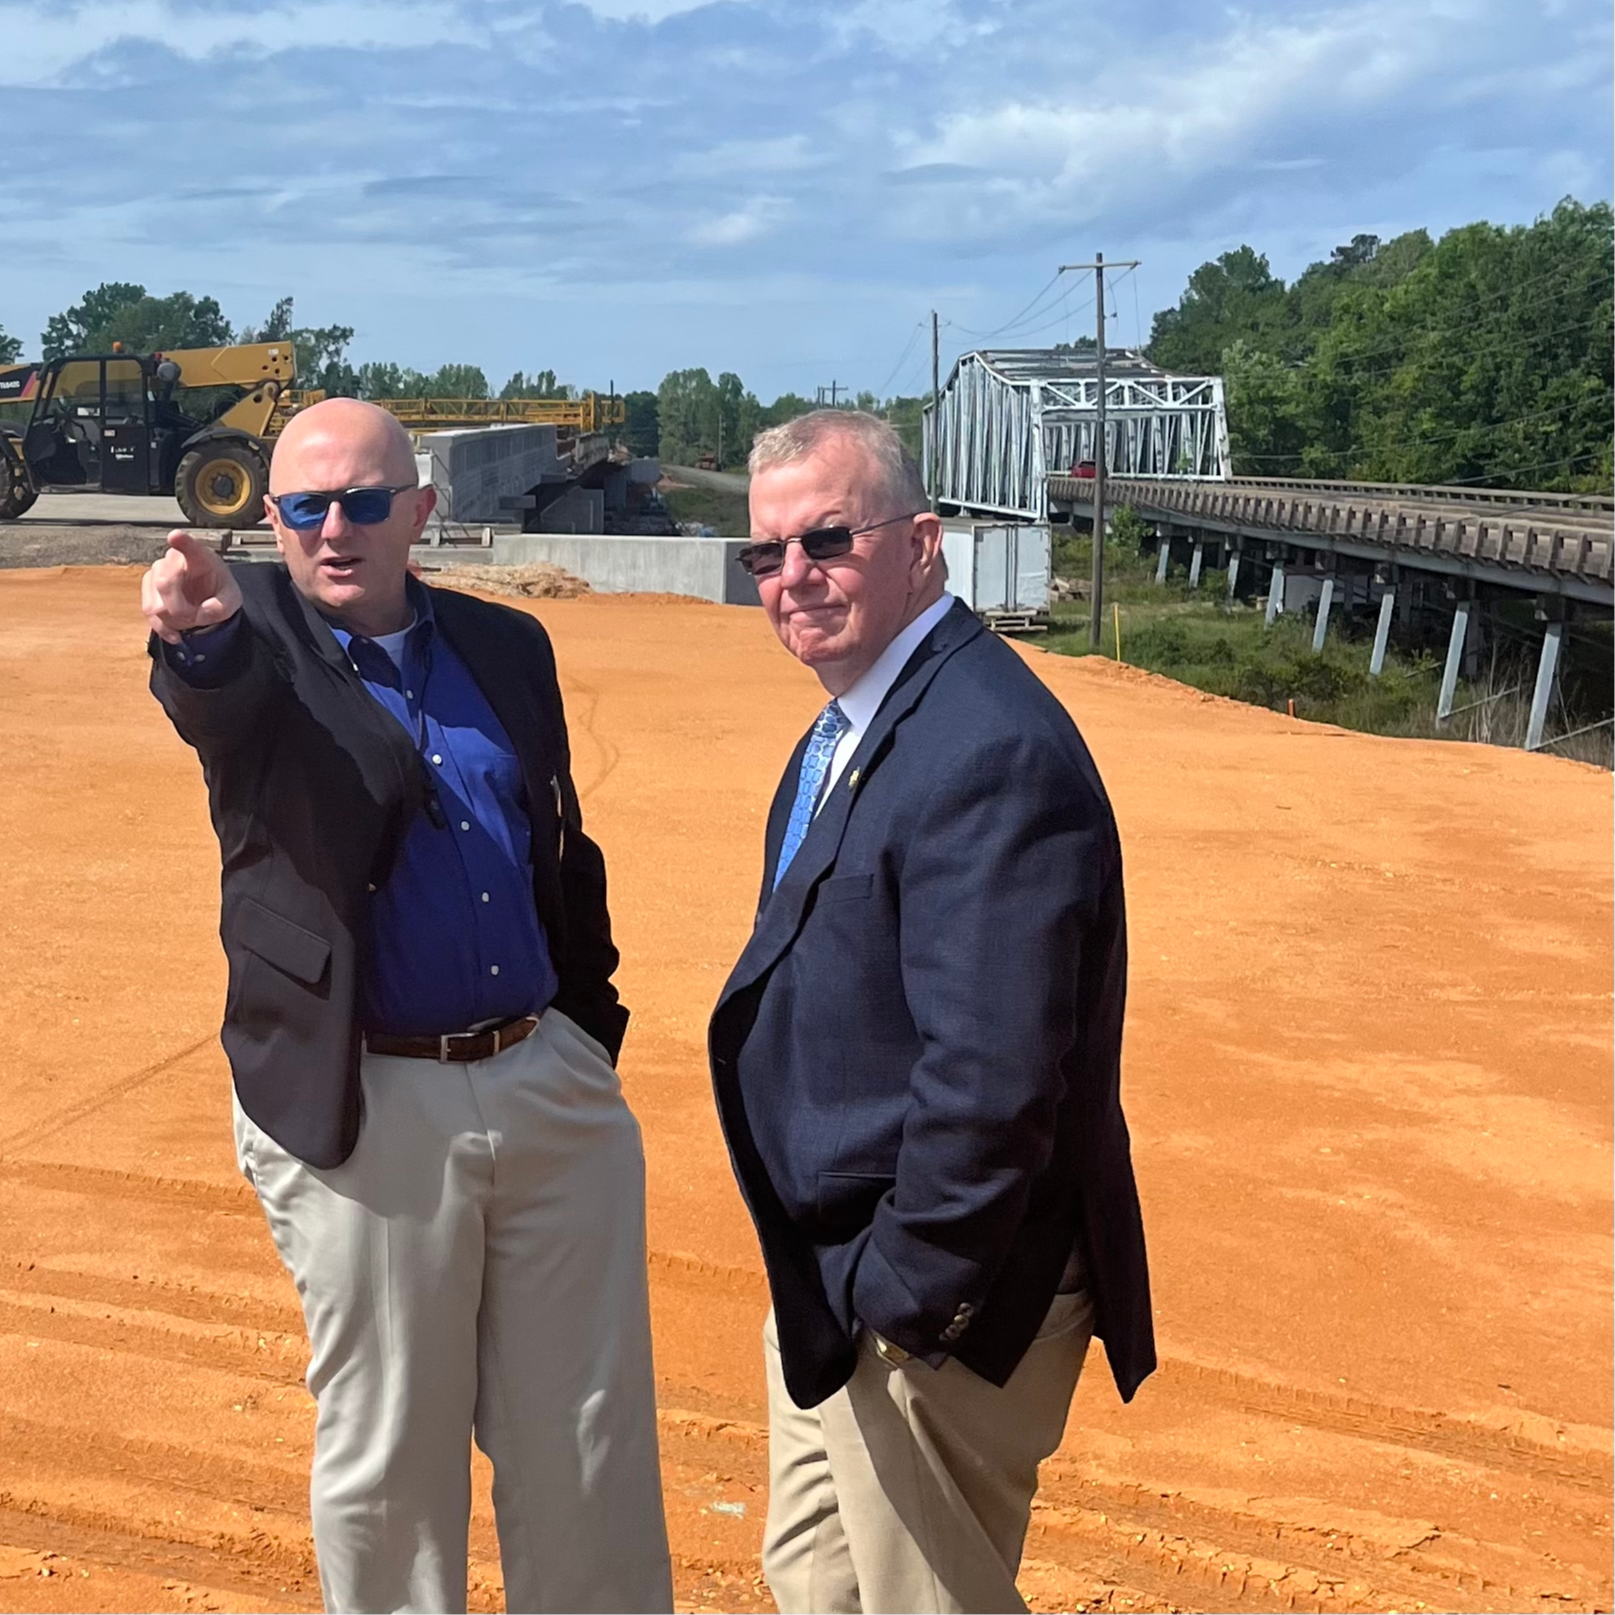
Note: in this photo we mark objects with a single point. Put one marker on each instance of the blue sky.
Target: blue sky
(620, 187)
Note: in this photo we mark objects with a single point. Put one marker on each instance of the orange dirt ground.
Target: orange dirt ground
(1368, 1073)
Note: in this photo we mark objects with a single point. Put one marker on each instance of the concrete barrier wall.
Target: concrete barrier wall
(476, 468)
(705, 568)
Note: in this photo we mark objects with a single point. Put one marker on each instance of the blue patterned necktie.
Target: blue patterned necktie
(821, 747)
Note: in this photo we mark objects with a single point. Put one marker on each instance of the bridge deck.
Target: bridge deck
(1553, 543)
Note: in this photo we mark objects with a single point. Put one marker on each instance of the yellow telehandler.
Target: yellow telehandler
(195, 422)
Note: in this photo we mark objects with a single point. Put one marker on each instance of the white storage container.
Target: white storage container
(1001, 571)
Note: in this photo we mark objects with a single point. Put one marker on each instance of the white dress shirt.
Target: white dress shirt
(860, 704)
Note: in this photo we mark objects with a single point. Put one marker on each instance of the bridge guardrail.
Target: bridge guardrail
(1375, 516)
(1434, 493)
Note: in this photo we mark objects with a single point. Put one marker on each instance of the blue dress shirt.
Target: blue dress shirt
(455, 938)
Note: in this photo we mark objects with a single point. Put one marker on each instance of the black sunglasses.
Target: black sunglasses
(821, 544)
(364, 507)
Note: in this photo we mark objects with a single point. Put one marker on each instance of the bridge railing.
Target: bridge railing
(1433, 493)
(1562, 544)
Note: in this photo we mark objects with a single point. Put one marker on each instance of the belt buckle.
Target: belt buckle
(443, 1056)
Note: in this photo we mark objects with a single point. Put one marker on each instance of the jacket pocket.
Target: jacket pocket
(847, 888)
(288, 947)
(847, 1201)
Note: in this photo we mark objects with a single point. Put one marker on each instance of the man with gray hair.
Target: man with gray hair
(422, 1032)
(917, 1058)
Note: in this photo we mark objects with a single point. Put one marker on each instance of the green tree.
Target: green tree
(457, 381)
(71, 330)
(687, 413)
(1266, 426)
(641, 427)
(786, 408)
(321, 350)
(541, 384)
(10, 347)
(1236, 294)
(1482, 358)
(156, 324)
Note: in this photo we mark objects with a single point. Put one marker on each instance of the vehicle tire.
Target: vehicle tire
(17, 490)
(222, 484)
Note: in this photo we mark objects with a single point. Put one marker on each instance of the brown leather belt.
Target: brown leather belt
(483, 1045)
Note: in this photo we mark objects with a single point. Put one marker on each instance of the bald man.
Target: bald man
(422, 1032)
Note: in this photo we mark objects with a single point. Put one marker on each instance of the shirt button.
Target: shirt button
(437, 759)
(493, 970)
(410, 694)
(485, 897)
(465, 824)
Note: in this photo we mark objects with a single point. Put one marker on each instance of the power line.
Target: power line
(987, 336)
(913, 337)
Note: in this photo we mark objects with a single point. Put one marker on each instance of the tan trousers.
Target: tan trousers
(477, 1266)
(911, 1488)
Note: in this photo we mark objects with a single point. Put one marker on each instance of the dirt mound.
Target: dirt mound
(540, 581)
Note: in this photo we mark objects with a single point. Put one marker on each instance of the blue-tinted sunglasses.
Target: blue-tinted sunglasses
(364, 507)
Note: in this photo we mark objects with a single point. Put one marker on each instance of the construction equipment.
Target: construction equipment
(571, 417)
(196, 421)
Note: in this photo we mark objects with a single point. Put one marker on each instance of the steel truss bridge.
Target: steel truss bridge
(1324, 544)
(1008, 419)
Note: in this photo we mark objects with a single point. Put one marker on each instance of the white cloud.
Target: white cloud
(43, 41)
(776, 156)
(1170, 126)
(652, 11)
(756, 218)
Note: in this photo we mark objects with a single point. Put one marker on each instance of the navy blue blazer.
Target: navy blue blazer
(917, 1057)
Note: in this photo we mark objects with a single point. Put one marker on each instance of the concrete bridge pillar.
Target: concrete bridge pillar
(1275, 592)
(1382, 632)
(1546, 668)
(1325, 600)
(1194, 563)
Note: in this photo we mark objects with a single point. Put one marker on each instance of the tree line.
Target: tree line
(1484, 357)
(1481, 358)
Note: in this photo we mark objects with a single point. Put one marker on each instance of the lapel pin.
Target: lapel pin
(852, 779)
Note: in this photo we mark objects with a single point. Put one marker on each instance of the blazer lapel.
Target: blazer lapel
(781, 915)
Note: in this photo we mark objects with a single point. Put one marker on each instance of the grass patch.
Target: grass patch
(725, 513)
(1199, 638)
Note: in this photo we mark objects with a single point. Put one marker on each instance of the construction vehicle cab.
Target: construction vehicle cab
(192, 423)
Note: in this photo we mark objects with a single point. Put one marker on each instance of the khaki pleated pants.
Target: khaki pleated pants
(477, 1268)
(911, 1488)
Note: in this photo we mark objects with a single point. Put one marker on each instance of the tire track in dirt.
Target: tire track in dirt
(582, 720)
(70, 1177)
(1466, 1439)
(1337, 1556)
(253, 1567)
(37, 1132)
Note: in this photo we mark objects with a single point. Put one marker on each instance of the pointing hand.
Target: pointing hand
(189, 588)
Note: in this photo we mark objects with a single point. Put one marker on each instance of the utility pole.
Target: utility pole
(936, 411)
(1096, 615)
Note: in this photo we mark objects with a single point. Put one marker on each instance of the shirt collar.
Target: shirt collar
(862, 701)
(421, 629)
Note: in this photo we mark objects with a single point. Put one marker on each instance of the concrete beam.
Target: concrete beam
(1325, 600)
(1275, 594)
(1455, 656)
(1382, 633)
(1547, 665)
